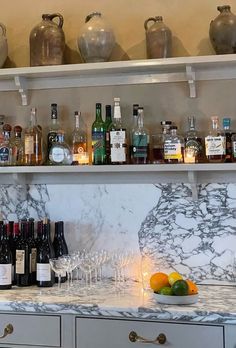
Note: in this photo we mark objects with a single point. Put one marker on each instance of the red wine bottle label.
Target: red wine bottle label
(43, 272)
(5, 274)
(20, 261)
(33, 257)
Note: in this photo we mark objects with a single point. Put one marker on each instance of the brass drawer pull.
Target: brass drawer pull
(7, 331)
(134, 337)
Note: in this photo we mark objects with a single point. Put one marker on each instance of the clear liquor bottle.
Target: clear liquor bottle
(98, 138)
(173, 147)
(60, 152)
(133, 127)
(228, 136)
(118, 137)
(193, 142)
(54, 128)
(17, 147)
(5, 146)
(215, 142)
(33, 141)
(157, 142)
(107, 124)
(79, 140)
(140, 141)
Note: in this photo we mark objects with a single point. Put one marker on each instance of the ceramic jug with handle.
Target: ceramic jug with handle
(3, 45)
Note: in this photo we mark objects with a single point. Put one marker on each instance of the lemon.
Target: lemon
(173, 277)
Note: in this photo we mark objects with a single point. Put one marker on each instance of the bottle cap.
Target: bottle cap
(173, 127)
(163, 123)
(226, 122)
(17, 129)
(6, 127)
(108, 110)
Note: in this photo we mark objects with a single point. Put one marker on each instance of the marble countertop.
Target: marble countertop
(216, 304)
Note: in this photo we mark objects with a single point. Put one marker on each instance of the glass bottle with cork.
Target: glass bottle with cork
(33, 141)
(140, 141)
(79, 141)
(215, 142)
(98, 138)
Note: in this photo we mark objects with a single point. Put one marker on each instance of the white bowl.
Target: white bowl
(176, 300)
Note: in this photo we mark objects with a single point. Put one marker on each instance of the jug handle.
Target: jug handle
(61, 20)
(151, 19)
(2, 26)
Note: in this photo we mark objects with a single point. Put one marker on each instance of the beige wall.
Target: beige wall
(188, 19)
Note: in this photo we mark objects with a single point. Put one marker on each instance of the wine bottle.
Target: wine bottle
(60, 245)
(33, 250)
(23, 257)
(15, 238)
(45, 276)
(5, 260)
(10, 227)
(98, 138)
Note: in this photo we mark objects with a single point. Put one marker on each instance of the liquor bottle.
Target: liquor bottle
(133, 127)
(60, 246)
(5, 146)
(53, 129)
(140, 141)
(60, 152)
(2, 118)
(173, 147)
(45, 276)
(17, 148)
(23, 257)
(79, 140)
(33, 143)
(16, 234)
(228, 136)
(193, 144)
(98, 138)
(107, 123)
(215, 142)
(157, 143)
(118, 137)
(33, 250)
(5, 260)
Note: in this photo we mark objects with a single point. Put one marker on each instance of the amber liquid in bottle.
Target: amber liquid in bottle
(215, 143)
(33, 142)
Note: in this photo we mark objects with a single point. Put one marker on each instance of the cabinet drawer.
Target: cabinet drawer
(113, 333)
(38, 330)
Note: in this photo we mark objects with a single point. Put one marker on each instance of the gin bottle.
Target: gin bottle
(5, 146)
(33, 144)
(140, 141)
(193, 143)
(79, 140)
(54, 128)
(215, 142)
(118, 137)
(173, 147)
(60, 152)
(98, 138)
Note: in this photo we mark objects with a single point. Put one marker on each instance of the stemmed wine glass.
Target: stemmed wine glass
(58, 268)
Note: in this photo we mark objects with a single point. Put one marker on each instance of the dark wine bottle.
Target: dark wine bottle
(60, 246)
(33, 250)
(45, 275)
(15, 238)
(23, 257)
(5, 260)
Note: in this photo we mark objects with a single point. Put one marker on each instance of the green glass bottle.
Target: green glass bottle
(98, 138)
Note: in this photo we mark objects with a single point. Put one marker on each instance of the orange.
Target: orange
(158, 280)
(192, 287)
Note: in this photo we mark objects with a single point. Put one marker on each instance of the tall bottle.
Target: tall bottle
(5, 155)
(108, 122)
(140, 141)
(17, 147)
(45, 276)
(228, 137)
(16, 236)
(193, 142)
(157, 143)
(60, 246)
(79, 140)
(54, 128)
(23, 276)
(33, 141)
(118, 137)
(215, 142)
(98, 138)
(5, 260)
(33, 250)
(173, 147)
(133, 127)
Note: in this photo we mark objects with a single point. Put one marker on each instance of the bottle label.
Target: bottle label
(140, 146)
(215, 145)
(4, 154)
(234, 149)
(20, 261)
(43, 272)
(98, 145)
(33, 257)
(29, 144)
(172, 151)
(57, 154)
(118, 146)
(5, 274)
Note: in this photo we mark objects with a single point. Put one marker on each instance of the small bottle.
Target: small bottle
(79, 140)
(33, 142)
(107, 123)
(5, 146)
(133, 127)
(118, 137)
(5, 260)
(60, 246)
(98, 138)
(157, 143)
(17, 148)
(23, 257)
(53, 129)
(228, 136)
(193, 143)
(140, 141)
(173, 147)
(215, 142)
(60, 152)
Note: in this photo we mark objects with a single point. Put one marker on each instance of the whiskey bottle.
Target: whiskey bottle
(79, 140)
(173, 147)
(33, 143)
(53, 129)
(16, 147)
(5, 146)
(193, 144)
(60, 152)
(228, 136)
(98, 138)
(118, 137)
(157, 143)
(215, 142)
(107, 124)
(140, 141)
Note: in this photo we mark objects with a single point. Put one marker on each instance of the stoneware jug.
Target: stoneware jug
(222, 31)
(96, 40)
(47, 41)
(3, 45)
(158, 38)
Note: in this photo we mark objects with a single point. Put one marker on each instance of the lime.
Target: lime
(180, 288)
(173, 277)
(166, 290)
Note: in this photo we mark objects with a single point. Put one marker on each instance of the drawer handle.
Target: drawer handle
(7, 331)
(134, 337)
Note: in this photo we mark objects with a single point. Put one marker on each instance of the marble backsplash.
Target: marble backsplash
(160, 221)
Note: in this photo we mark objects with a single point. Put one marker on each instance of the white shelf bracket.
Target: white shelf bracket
(22, 85)
(19, 179)
(191, 78)
(192, 178)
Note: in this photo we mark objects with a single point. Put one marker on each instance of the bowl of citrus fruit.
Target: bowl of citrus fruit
(173, 288)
